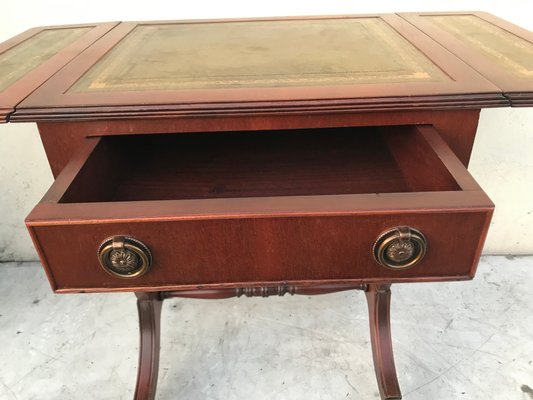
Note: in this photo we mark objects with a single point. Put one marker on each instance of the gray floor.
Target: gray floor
(468, 340)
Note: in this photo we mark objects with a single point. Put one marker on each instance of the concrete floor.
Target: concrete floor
(468, 340)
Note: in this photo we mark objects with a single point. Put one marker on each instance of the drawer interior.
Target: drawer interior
(260, 207)
(259, 164)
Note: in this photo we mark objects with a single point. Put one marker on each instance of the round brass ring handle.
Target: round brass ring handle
(124, 257)
(400, 248)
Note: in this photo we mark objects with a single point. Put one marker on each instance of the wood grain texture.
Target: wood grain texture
(465, 88)
(273, 163)
(497, 49)
(261, 291)
(149, 309)
(61, 139)
(256, 175)
(263, 109)
(378, 298)
(265, 250)
(275, 239)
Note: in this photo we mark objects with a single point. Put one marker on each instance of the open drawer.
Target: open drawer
(162, 212)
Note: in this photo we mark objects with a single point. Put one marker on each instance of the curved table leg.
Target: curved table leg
(149, 307)
(378, 299)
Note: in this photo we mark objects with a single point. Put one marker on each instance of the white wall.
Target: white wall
(503, 154)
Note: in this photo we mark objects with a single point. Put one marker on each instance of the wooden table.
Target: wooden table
(212, 159)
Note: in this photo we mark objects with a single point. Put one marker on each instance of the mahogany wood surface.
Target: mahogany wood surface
(378, 298)
(262, 291)
(149, 308)
(262, 190)
(62, 139)
(297, 238)
(474, 81)
(518, 89)
(465, 89)
(273, 163)
(18, 91)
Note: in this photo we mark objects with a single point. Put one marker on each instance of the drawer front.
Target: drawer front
(203, 252)
(242, 209)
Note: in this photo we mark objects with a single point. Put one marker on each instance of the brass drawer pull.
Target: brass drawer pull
(400, 248)
(124, 257)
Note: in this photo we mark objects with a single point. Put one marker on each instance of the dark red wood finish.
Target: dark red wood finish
(295, 238)
(18, 91)
(149, 308)
(465, 89)
(262, 291)
(378, 298)
(518, 90)
(237, 239)
(62, 139)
